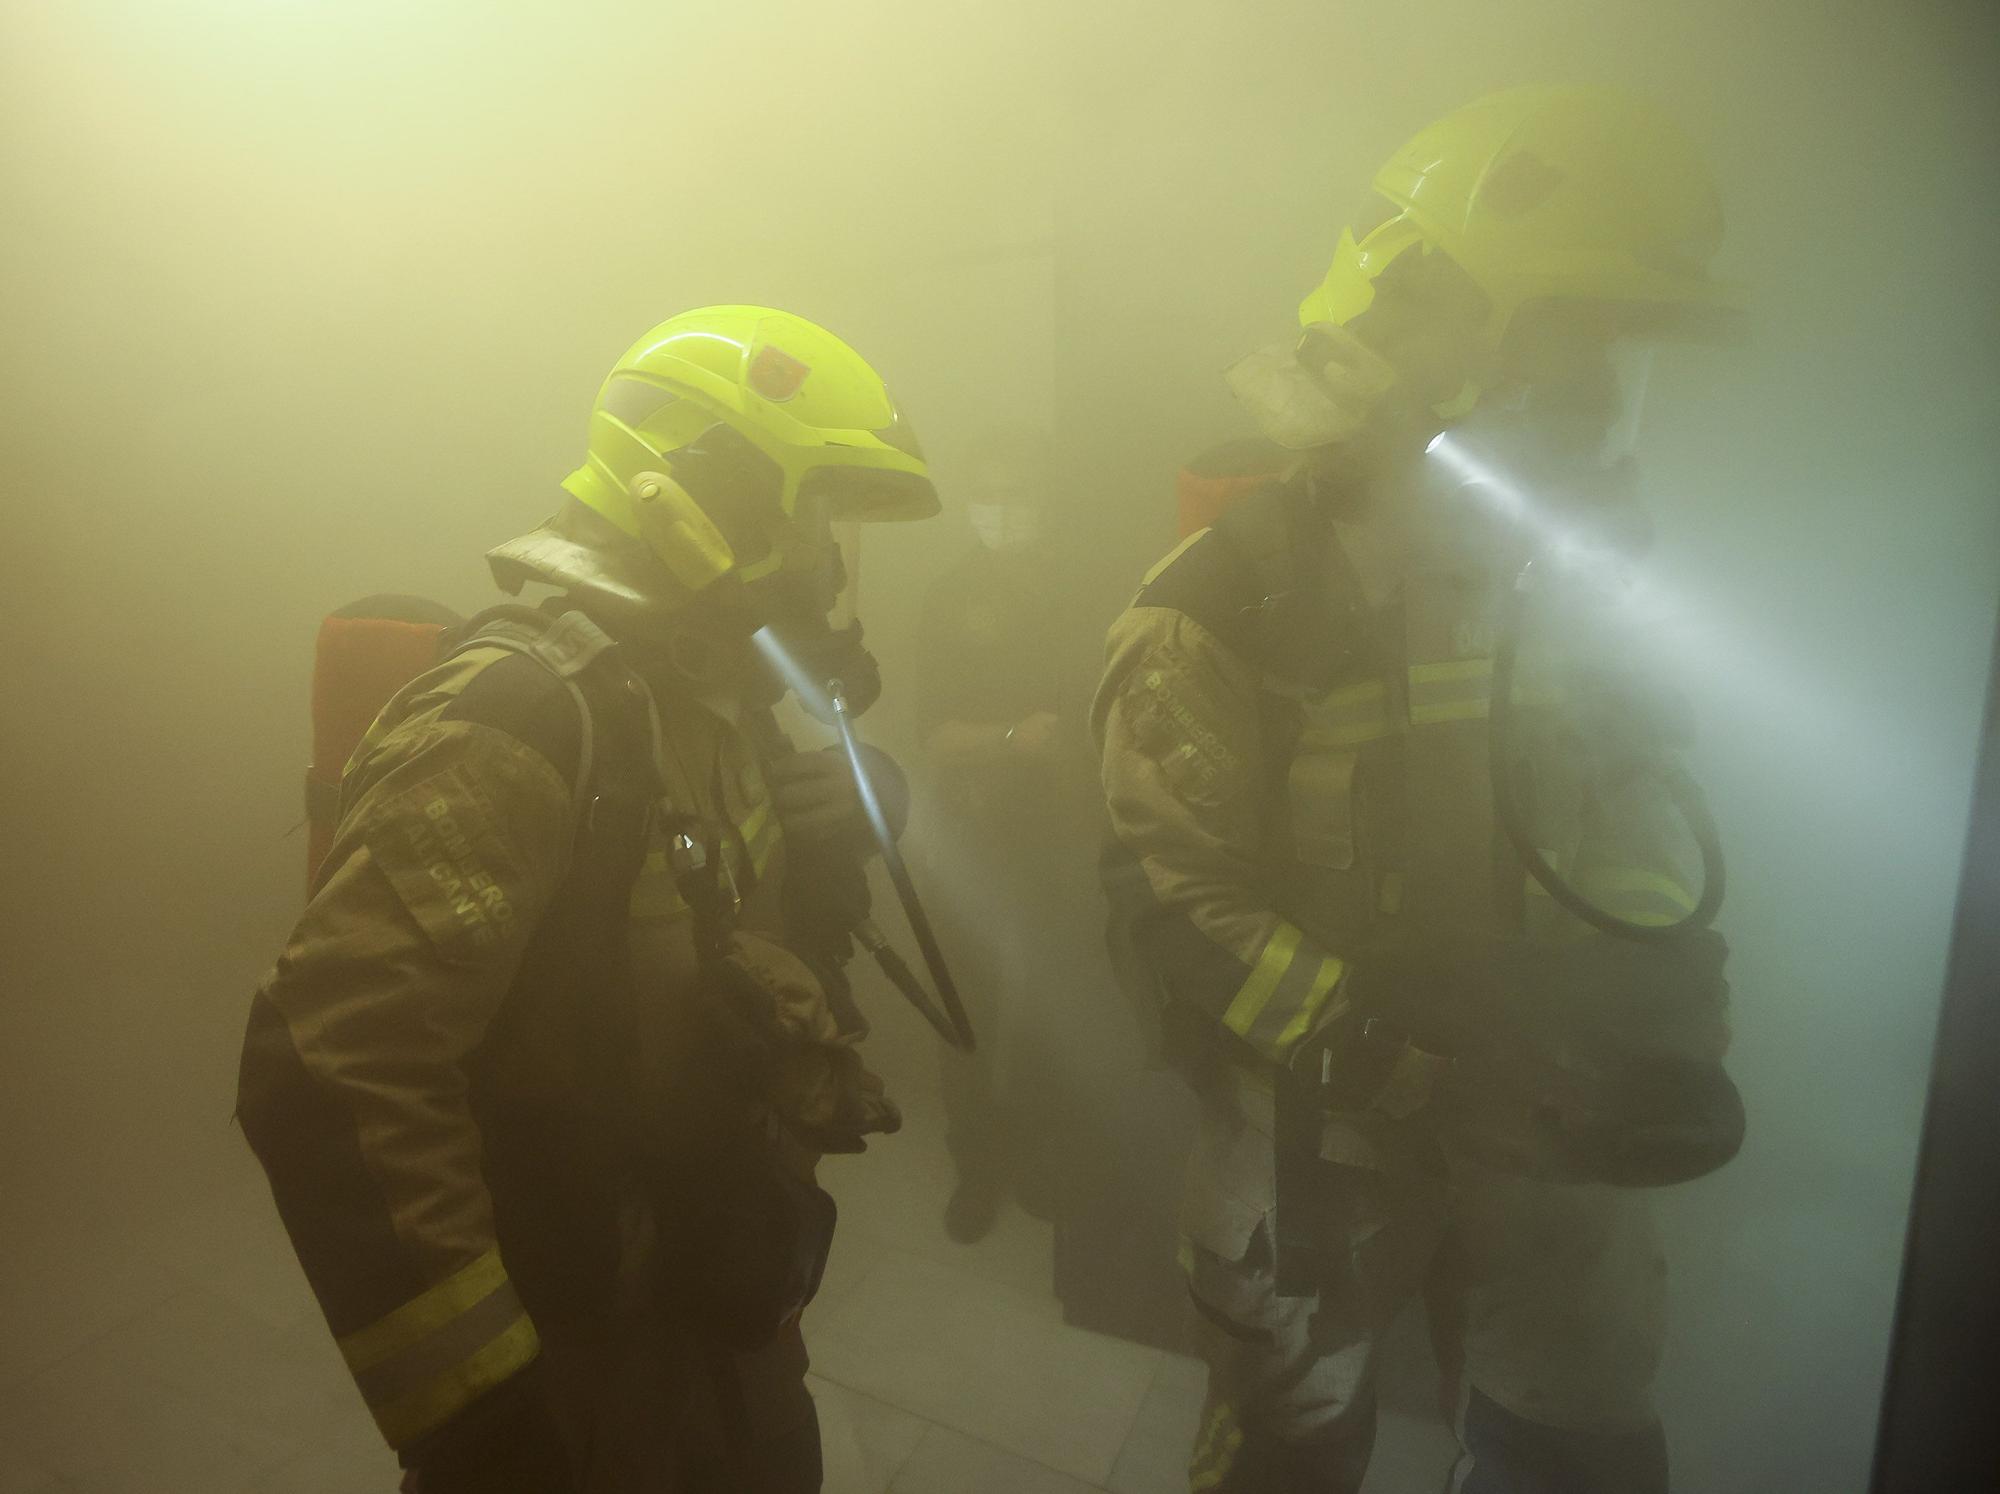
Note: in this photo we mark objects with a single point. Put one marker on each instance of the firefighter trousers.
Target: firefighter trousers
(1545, 1302)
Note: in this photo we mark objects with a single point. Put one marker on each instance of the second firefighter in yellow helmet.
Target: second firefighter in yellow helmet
(1522, 200)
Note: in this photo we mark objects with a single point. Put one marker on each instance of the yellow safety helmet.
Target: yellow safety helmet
(1550, 193)
(792, 391)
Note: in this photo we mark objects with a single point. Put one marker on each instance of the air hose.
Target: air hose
(1681, 791)
(947, 1012)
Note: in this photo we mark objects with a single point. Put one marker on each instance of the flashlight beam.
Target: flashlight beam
(959, 1033)
(811, 692)
(826, 700)
(1718, 657)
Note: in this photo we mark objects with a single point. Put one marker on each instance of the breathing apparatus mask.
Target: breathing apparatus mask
(792, 576)
(783, 623)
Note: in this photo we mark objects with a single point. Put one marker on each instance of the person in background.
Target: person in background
(1002, 686)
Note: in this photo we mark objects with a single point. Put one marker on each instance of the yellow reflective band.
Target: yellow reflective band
(1324, 980)
(422, 1316)
(1216, 1455)
(1361, 693)
(1450, 690)
(1447, 710)
(1208, 1435)
(438, 1352)
(432, 1405)
(1255, 992)
(761, 832)
(1449, 670)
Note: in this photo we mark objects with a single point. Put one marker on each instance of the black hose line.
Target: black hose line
(952, 1024)
(1680, 790)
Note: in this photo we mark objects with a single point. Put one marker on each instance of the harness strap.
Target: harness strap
(565, 648)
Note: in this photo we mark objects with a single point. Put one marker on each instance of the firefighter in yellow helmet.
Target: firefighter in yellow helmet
(1448, 993)
(542, 1075)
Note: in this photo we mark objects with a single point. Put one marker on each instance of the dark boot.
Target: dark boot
(974, 1206)
(1230, 1458)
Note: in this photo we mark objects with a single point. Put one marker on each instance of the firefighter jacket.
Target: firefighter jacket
(479, 1032)
(1260, 728)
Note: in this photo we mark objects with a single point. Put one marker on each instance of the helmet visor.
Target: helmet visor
(862, 492)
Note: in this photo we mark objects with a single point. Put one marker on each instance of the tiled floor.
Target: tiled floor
(153, 1349)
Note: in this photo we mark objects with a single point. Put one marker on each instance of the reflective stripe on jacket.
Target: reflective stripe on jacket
(1258, 735)
(1192, 778)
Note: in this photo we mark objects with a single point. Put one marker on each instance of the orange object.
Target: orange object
(361, 659)
(1221, 477)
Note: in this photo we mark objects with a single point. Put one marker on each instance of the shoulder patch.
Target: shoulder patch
(516, 695)
(447, 848)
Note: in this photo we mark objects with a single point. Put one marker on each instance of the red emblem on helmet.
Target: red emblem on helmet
(776, 375)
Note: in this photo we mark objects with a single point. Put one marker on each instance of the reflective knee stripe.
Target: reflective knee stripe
(1452, 690)
(435, 1354)
(1325, 977)
(1277, 1004)
(760, 832)
(1215, 1453)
